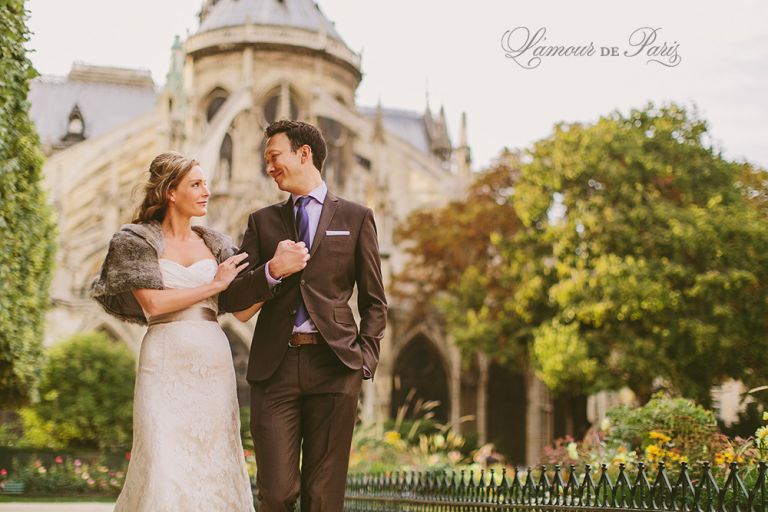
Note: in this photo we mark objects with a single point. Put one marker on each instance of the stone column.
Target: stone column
(483, 364)
(539, 421)
(378, 393)
(284, 103)
(248, 66)
(191, 128)
(454, 360)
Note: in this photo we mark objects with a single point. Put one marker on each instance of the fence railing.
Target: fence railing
(558, 489)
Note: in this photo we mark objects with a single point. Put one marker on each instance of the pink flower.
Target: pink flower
(58, 459)
(78, 463)
(3, 472)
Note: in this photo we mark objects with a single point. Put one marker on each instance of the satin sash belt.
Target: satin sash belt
(197, 313)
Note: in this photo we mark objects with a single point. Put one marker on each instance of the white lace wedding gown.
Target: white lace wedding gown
(187, 455)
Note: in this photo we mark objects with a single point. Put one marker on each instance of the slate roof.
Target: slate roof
(304, 14)
(106, 97)
(406, 124)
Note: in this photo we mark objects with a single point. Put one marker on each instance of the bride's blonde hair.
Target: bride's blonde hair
(165, 173)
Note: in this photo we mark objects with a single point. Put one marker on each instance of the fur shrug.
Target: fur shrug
(132, 263)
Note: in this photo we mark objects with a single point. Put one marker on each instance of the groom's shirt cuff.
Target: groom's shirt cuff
(271, 281)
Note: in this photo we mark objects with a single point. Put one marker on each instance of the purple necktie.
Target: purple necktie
(302, 227)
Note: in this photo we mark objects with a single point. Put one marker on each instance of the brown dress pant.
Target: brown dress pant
(308, 406)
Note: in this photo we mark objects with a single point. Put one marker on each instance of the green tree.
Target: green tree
(26, 227)
(86, 395)
(642, 253)
(660, 252)
(452, 261)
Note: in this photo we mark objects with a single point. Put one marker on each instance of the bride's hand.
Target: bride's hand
(229, 268)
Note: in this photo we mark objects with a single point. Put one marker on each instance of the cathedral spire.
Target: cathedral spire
(463, 159)
(378, 122)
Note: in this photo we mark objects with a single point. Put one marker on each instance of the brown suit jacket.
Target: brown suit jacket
(336, 264)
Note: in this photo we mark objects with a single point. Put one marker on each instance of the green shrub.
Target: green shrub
(86, 396)
(691, 427)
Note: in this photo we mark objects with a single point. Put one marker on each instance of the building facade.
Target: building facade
(249, 63)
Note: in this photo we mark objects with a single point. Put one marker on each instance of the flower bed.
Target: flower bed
(64, 476)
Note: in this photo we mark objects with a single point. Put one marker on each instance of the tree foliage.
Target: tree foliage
(641, 260)
(452, 262)
(26, 226)
(86, 396)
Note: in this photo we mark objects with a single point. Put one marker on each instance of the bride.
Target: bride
(164, 272)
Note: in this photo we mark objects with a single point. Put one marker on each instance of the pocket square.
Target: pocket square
(337, 233)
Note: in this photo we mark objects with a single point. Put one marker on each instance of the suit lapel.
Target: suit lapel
(286, 213)
(329, 209)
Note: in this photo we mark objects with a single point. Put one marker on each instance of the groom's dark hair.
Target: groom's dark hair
(300, 133)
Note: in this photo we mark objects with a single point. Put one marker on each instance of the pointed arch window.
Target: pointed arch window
(215, 101)
(273, 109)
(225, 158)
(337, 159)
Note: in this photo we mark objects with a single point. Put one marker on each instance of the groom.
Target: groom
(307, 357)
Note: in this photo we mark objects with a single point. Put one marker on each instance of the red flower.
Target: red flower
(127, 455)
(3, 472)
(58, 459)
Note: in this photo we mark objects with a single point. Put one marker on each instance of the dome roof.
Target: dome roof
(304, 14)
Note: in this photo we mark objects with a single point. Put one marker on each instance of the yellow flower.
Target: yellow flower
(391, 437)
(652, 451)
(573, 451)
(765, 416)
(761, 438)
(654, 434)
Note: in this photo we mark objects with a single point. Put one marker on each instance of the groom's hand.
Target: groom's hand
(290, 257)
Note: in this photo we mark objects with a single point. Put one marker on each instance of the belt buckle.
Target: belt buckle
(291, 337)
(311, 338)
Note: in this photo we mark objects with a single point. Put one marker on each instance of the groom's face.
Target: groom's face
(284, 165)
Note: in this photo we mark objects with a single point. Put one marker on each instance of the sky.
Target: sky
(456, 55)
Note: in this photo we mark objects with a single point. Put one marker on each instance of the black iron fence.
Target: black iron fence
(743, 490)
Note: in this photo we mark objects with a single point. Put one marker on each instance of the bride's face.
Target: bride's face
(190, 198)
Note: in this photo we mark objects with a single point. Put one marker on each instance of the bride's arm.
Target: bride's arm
(246, 314)
(157, 302)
